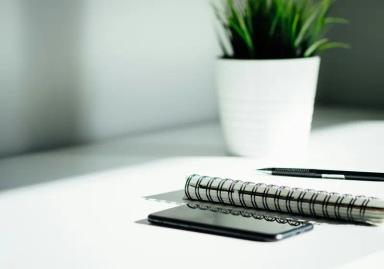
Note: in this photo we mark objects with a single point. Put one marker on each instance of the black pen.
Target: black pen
(320, 173)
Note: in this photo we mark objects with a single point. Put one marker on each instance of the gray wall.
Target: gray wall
(355, 77)
(83, 70)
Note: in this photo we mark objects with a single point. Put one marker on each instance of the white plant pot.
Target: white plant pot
(266, 106)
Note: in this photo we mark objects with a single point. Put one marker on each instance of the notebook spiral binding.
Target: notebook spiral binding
(306, 202)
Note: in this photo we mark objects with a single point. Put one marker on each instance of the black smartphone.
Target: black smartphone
(234, 223)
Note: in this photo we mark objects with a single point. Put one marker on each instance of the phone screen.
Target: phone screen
(235, 223)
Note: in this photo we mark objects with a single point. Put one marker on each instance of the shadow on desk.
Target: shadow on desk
(328, 117)
(65, 163)
(195, 140)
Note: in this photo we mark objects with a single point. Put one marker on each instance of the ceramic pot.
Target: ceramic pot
(266, 106)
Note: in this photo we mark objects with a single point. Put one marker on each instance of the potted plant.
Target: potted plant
(267, 75)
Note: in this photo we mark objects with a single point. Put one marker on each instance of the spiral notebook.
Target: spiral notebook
(305, 202)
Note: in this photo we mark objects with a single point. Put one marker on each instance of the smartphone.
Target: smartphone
(227, 223)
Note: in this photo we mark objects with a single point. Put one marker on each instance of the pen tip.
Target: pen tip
(264, 169)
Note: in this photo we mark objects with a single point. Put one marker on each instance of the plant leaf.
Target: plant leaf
(330, 20)
(332, 45)
(309, 51)
(239, 25)
(305, 28)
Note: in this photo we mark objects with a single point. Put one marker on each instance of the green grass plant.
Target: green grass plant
(275, 29)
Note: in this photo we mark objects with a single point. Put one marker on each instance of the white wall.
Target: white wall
(83, 70)
(11, 94)
(74, 71)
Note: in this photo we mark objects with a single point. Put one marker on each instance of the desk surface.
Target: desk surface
(79, 207)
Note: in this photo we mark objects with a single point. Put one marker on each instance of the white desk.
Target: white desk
(78, 207)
